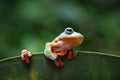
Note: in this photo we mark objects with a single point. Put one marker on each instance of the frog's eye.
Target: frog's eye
(68, 30)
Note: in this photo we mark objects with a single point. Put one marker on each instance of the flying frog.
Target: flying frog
(62, 45)
(25, 56)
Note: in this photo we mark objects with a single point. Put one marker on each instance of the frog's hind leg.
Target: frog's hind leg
(52, 55)
(72, 54)
(48, 53)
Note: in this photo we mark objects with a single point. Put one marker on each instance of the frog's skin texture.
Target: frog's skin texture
(25, 56)
(62, 45)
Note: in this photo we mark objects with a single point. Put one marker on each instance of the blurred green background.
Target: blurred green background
(29, 24)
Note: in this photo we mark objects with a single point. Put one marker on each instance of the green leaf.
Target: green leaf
(87, 66)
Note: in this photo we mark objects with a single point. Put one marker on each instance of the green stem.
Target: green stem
(84, 52)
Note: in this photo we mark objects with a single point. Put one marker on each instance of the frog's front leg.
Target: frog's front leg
(52, 55)
(72, 54)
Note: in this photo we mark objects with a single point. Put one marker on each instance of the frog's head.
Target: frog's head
(24, 51)
(69, 32)
(70, 35)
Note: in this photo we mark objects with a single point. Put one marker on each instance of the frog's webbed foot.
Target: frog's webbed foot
(59, 62)
(72, 54)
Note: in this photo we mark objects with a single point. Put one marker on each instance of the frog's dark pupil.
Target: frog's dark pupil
(69, 30)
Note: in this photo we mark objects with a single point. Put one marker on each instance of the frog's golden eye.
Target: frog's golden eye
(68, 30)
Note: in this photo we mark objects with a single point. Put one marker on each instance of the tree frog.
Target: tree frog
(26, 55)
(62, 45)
